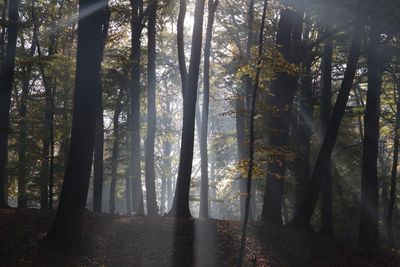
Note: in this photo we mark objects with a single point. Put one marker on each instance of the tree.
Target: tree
(22, 135)
(180, 205)
(243, 104)
(152, 208)
(65, 232)
(302, 130)
(115, 151)
(280, 102)
(326, 198)
(251, 145)
(6, 83)
(46, 171)
(369, 228)
(134, 94)
(98, 164)
(302, 218)
(204, 202)
(393, 176)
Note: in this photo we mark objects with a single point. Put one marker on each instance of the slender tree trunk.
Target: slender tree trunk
(152, 208)
(128, 180)
(166, 164)
(136, 31)
(3, 32)
(302, 218)
(393, 177)
(213, 192)
(52, 51)
(46, 172)
(303, 130)
(243, 104)
(98, 163)
(303, 137)
(6, 84)
(326, 197)
(44, 169)
(204, 201)
(170, 194)
(180, 206)
(115, 152)
(166, 196)
(359, 102)
(252, 138)
(163, 189)
(65, 233)
(181, 44)
(128, 193)
(22, 135)
(369, 228)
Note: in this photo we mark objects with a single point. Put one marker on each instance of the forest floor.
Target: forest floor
(114, 240)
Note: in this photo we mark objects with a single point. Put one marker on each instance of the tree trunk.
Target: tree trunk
(52, 51)
(302, 218)
(136, 31)
(128, 180)
(280, 101)
(168, 174)
(181, 44)
(115, 152)
(252, 138)
(243, 103)
(3, 31)
(6, 84)
(98, 164)
(369, 229)
(303, 130)
(326, 198)
(152, 208)
(65, 233)
(204, 201)
(22, 197)
(393, 177)
(180, 206)
(303, 137)
(47, 168)
(166, 186)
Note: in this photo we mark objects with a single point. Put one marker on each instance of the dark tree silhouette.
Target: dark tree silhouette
(22, 135)
(393, 176)
(302, 131)
(6, 83)
(152, 208)
(181, 44)
(98, 163)
(252, 138)
(243, 104)
(302, 218)
(65, 232)
(47, 140)
(134, 94)
(115, 152)
(326, 198)
(369, 229)
(204, 202)
(280, 102)
(180, 206)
